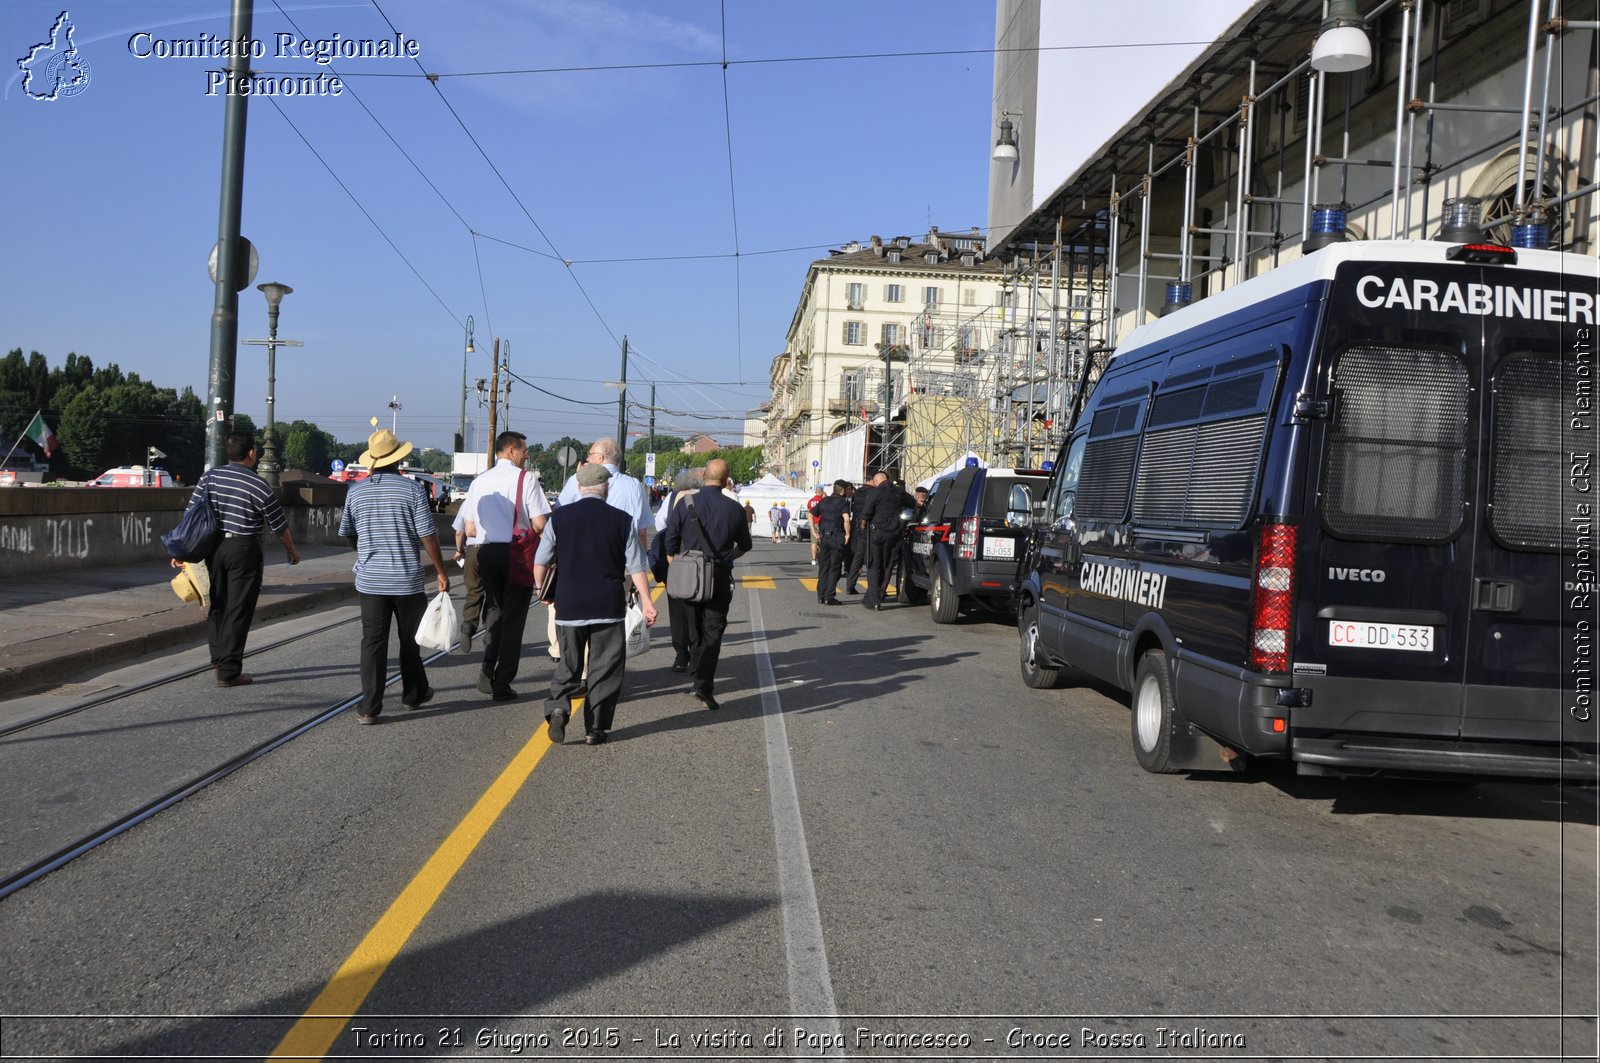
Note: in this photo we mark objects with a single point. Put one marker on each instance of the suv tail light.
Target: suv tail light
(1272, 609)
(967, 538)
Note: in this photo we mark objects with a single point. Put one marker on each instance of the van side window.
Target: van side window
(1108, 462)
(1067, 480)
(1202, 447)
(1397, 446)
(1529, 455)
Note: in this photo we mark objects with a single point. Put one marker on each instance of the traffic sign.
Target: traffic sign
(338, 465)
(566, 456)
(815, 464)
(649, 481)
(248, 263)
(650, 465)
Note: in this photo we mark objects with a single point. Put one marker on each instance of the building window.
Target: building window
(894, 256)
(894, 293)
(969, 297)
(855, 294)
(969, 260)
(891, 334)
(851, 391)
(962, 243)
(931, 258)
(854, 333)
(930, 296)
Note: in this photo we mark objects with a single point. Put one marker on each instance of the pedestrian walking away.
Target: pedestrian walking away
(749, 513)
(388, 518)
(833, 539)
(466, 556)
(501, 501)
(623, 492)
(773, 520)
(881, 514)
(597, 548)
(244, 505)
(709, 521)
(677, 610)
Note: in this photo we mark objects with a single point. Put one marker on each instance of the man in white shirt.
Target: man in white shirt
(493, 513)
(624, 493)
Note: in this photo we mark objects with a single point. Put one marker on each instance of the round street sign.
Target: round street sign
(337, 464)
(251, 264)
(815, 464)
(566, 455)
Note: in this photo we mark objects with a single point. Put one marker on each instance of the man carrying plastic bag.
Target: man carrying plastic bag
(386, 518)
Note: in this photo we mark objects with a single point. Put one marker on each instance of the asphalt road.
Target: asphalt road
(883, 845)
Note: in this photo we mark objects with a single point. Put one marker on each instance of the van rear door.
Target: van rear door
(1533, 571)
(1382, 637)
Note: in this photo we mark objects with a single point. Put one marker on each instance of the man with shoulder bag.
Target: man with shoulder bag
(705, 532)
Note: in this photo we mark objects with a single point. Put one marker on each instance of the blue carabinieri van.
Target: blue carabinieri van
(1342, 514)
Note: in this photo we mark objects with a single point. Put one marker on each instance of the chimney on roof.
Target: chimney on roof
(877, 245)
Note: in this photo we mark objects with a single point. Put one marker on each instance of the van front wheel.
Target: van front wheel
(1034, 674)
(1153, 711)
(943, 601)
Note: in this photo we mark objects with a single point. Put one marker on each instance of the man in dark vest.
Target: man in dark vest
(713, 523)
(598, 554)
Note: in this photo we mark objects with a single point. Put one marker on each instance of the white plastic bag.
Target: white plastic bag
(638, 631)
(438, 628)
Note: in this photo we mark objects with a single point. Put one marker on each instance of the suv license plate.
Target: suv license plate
(1380, 636)
(1005, 548)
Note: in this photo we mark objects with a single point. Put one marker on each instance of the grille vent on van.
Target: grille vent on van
(1199, 473)
(1530, 456)
(1107, 471)
(1397, 445)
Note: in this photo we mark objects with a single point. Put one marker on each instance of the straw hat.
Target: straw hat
(384, 449)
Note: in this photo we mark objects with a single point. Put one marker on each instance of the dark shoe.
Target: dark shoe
(707, 700)
(465, 633)
(423, 699)
(241, 680)
(831, 601)
(505, 694)
(558, 727)
(680, 664)
(852, 589)
(595, 738)
(366, 719)
(485, 683)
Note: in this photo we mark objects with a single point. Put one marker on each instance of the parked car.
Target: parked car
(1328, 517)
(133, 476)
(963, 550)
(351, 474)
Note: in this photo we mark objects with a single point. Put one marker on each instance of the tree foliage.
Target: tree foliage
(744, 463)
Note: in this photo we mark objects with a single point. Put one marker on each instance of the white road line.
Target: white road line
(810, 984)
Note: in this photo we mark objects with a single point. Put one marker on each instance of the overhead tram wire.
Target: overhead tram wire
(309, 147)
(433, 80)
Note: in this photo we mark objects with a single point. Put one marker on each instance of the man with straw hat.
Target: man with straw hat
(387, 518)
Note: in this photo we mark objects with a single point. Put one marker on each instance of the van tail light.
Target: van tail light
(967, 538)
(1273, 607)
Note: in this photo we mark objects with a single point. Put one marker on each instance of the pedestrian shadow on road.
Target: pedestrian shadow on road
(514, 967)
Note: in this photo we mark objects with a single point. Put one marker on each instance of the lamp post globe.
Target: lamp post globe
(269, 466)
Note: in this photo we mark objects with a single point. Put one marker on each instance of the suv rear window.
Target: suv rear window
(1529, 455)
(1397, 449)
(997, 492)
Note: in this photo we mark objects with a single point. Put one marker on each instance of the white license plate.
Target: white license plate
(1364, 635)
(1004, 548)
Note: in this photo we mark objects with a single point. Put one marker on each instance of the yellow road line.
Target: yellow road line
(657, 591)
(315, 1032)
(808, 584)
(758, 583)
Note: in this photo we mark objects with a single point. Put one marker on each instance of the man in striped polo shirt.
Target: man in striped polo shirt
(386, 518)
(244, 504)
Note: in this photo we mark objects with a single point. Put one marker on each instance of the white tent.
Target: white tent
(770, 491)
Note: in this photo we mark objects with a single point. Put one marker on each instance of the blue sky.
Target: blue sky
(112, 195)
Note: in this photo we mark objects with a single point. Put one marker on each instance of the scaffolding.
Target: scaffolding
(1214, 205)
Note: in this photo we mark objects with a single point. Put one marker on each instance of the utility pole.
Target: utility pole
(622, 400)
(232, 265)
(652, 416)
(505, 395)
(494, 399)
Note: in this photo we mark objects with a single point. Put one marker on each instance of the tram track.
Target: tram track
(13, 881)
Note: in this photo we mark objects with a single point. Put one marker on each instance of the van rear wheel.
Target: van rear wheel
(1034, 674)
(943, 601)
(1153, 712)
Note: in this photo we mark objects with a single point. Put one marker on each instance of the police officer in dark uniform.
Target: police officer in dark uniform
(857, 554)
(881, 514)
(833, 538)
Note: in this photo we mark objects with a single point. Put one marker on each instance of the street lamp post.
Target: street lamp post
(461, 436)
(394, 414)
(269, 466)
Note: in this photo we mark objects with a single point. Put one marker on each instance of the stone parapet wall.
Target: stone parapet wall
(48, 529)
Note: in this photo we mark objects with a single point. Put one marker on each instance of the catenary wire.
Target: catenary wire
(733, 205)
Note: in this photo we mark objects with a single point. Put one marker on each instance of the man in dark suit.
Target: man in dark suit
(857, 554)
(881, 515)
(713, 523)
(599, 554)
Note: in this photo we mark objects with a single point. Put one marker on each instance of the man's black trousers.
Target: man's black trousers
(880, 551)
(507, 605)
(377, 611)
(707, 622)
(235, 570)
(830, 560)
(858, 556)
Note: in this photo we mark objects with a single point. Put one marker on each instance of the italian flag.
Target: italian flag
(40, 433)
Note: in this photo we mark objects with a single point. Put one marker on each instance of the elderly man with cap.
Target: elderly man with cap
(598, 554)
(387, 517)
